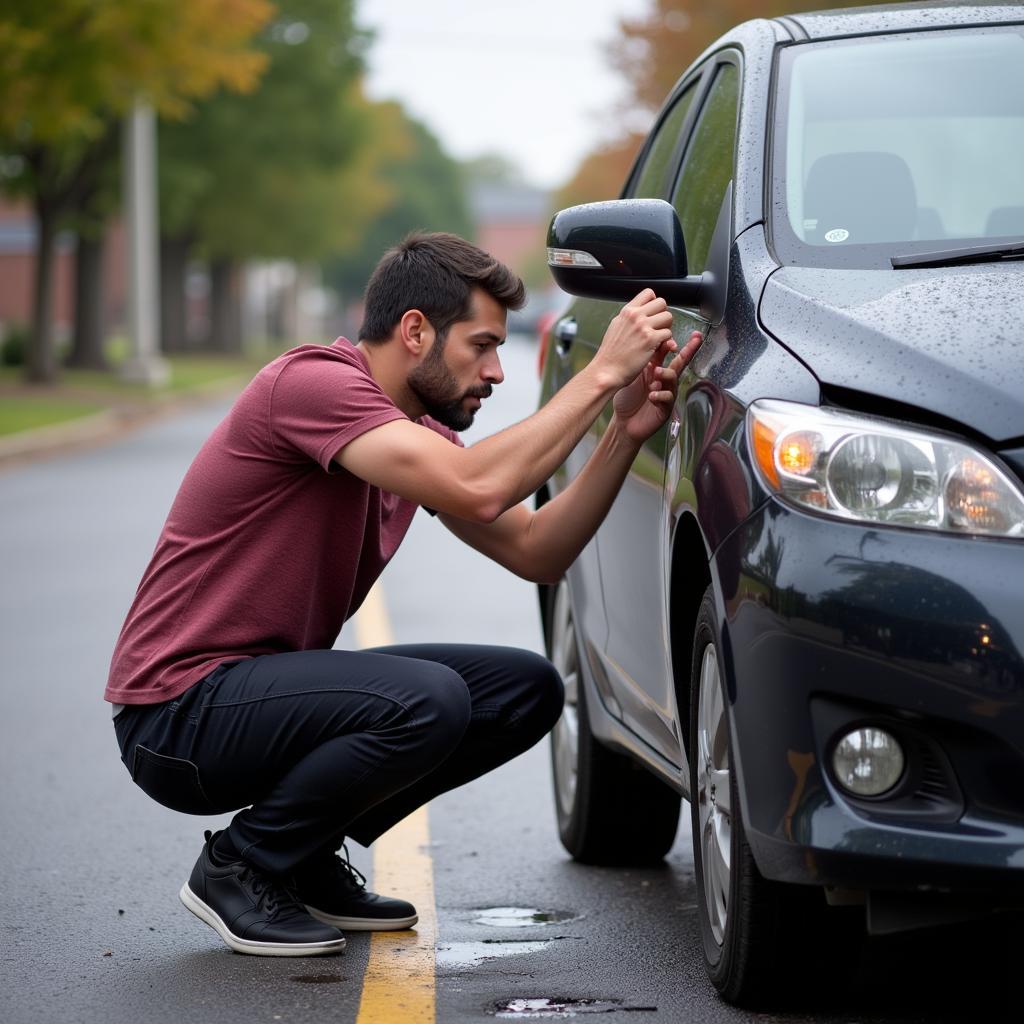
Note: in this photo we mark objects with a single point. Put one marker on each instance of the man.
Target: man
(225, 690)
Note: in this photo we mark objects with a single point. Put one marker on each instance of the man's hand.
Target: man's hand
(541, 545)
(642, 328)
(644, 405)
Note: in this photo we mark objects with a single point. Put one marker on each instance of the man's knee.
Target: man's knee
(543, 693)
(443, 704)
(553, 691)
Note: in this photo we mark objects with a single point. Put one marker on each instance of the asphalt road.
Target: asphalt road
(93, 930)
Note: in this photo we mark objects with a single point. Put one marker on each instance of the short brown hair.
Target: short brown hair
(434, 272)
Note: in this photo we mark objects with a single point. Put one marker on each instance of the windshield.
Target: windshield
(898, 145)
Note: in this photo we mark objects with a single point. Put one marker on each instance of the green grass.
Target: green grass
(187, 372)
(21, 413)
(81, 392)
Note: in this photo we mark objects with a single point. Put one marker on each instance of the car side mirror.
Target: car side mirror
(615, 249)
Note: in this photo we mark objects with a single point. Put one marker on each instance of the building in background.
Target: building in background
(17, 271)
(511, 222)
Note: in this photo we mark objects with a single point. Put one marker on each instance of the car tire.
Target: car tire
(610, 810)
(762, 940)
(733, 905)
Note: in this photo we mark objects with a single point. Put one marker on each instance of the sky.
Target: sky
(525, 78)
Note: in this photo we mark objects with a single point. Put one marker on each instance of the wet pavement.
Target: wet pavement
(94, 932)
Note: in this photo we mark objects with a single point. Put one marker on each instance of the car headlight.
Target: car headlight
(876, 471)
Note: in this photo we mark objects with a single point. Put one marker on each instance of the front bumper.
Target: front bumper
(828, 624)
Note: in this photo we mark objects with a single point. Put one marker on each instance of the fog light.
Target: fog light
(868, 762)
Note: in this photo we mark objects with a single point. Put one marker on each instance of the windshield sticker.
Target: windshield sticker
(837, 235)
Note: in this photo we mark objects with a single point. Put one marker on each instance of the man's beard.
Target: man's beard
(438, 391)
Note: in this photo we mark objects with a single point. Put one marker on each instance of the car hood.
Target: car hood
(949, 340)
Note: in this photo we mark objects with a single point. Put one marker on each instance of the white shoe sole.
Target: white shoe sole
(363, 924)
(209, 916)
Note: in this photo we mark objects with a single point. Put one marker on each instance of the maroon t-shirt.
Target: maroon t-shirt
(269, 545)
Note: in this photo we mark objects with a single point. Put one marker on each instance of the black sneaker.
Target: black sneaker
(252, 912)
(335, 892)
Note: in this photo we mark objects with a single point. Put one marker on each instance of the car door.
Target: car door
(633, 541)
(575, 339)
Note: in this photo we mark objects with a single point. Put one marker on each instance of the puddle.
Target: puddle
(317, 979)
(521, 917)
(515, 1009)
(469, 954)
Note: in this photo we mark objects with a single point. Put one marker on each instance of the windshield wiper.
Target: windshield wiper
(956, 257)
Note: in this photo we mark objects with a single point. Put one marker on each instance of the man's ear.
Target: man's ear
(416, 332)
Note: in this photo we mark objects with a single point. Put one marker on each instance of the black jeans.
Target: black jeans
(321, 745)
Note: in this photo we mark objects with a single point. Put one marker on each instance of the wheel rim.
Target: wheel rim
(565, 736)
(714, 794)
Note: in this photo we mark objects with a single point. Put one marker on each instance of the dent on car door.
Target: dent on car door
(633, 542)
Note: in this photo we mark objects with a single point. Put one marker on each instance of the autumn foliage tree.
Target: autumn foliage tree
(70, 71)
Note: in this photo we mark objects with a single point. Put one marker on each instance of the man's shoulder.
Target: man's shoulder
(307, 371)
(341, 353)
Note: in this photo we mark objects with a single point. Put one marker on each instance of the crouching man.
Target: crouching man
(225, 688)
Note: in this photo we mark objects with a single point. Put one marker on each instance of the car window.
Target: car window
(886, 145)
(709, 167)
(652, 181)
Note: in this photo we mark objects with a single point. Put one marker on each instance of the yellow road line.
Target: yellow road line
(371, 624)
(398, 987)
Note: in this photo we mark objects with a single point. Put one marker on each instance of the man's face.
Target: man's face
(460, 369)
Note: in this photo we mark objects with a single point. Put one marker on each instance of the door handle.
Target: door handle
(565, 335)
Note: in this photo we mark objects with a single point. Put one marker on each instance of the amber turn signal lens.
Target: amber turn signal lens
(764, 451)
(797, 453)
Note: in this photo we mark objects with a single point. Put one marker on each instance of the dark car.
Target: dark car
(805, 611)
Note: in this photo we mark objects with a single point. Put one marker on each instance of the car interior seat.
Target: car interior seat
(858, 198)
(1005, 220)
(929, 223)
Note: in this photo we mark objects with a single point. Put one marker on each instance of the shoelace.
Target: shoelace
(270, 896)
(352, 875)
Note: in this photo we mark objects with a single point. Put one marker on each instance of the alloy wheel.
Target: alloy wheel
(714, 794)
(565, 736)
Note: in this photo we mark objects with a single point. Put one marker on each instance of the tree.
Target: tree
(71, 69)
(424, 192)
(88, 217)
(264, 175)
(493, 169)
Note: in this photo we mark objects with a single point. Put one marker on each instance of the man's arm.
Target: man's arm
(540, 546)
(479, 483)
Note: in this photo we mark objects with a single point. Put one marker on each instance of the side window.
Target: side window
(708, 167)
(653, 179)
